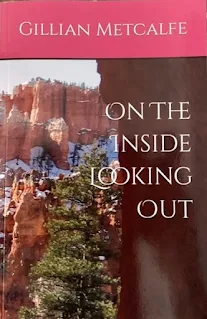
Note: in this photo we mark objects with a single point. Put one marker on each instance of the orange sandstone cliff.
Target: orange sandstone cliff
(26, 237)
(49, 114)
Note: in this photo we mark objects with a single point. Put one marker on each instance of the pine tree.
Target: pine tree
(71, 280)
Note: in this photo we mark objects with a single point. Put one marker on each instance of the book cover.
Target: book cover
(103, 160)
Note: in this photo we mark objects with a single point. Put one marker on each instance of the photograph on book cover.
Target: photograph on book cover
(60, 237)
(99, 214)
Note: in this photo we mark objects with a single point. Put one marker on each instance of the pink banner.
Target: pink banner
(142, 29)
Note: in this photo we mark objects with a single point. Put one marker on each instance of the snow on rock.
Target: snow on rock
(110, 147)
(74, 174)
(50, 167)
(7, 199)
(57, 171)
(15, 164)
(2, 235)
(36, 152)
(75, 157)
(8, 191)
(77, 154)
(41, 194)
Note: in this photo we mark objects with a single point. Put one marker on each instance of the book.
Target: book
(103, 160)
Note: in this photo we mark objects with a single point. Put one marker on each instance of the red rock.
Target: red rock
(27, 247)
(22, 97)
(85, 112)
(15, 132)
(36, 104)
(47, 102)
(57, 142)
(34, 136)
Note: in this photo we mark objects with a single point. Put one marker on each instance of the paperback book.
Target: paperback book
(103, 183)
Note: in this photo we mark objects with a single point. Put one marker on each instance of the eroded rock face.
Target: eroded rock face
(86, 110)
(163, 264)
(34, 136)
(28, 245)
(31, 110)
(47, 102)
(22, 97)
(15, 132)
(57, 141)
(26, 240)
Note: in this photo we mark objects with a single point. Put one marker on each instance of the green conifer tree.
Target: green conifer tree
(71, 280)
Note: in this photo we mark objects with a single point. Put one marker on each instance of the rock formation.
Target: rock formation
(26, 237)
(28, 245)
(32, 108)
(57, 141)
(15, 129)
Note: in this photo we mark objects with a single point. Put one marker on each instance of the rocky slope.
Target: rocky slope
(49, 114)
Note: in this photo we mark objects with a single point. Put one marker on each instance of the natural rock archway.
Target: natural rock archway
(164, 261)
